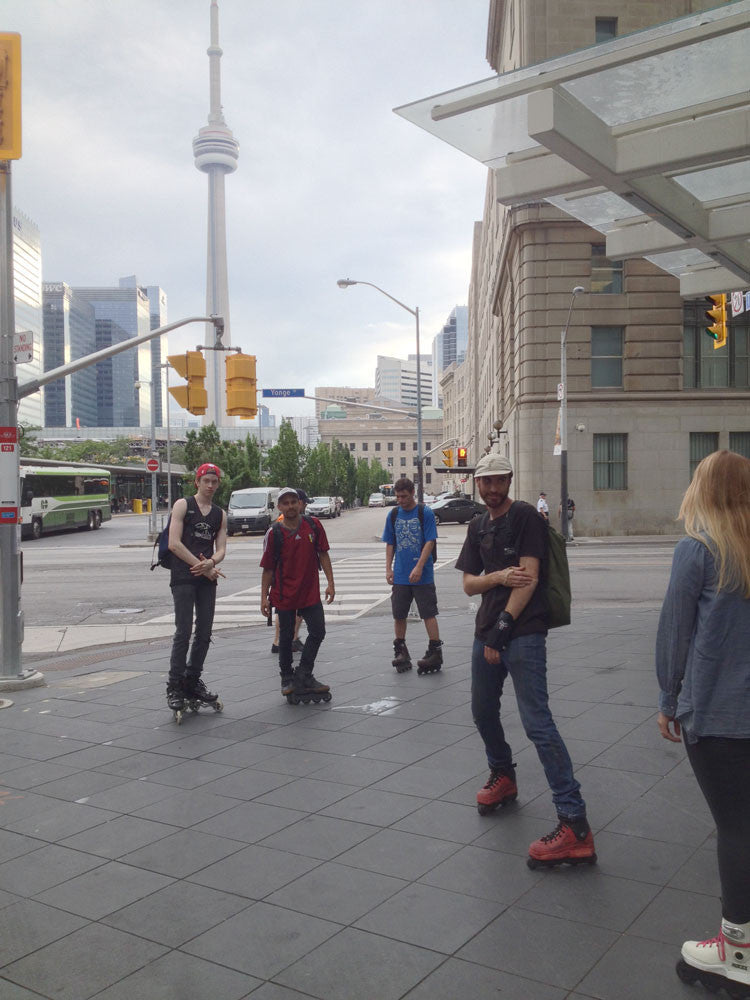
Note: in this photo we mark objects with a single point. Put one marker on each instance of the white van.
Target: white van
(253, 509)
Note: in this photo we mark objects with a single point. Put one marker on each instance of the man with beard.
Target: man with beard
(504, 559)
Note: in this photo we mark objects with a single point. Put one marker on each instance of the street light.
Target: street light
(345, 283)
(564, 522)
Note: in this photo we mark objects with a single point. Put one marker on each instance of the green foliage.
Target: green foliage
(115, 452)
(285, 461)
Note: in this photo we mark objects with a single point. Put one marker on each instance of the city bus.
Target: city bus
(389, 493)
(56, 497)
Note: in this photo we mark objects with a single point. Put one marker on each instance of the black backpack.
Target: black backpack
(420, 514)
(161, 545)
(558, 573)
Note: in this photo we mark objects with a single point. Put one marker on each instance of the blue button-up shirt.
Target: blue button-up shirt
(703, 649)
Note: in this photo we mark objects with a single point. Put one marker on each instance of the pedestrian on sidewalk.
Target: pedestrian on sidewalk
(504, 559)
(410, 535)
(297, 643)
(293, 551)
(571, 512)
(197, 543)
(542, 506)
(703, 667)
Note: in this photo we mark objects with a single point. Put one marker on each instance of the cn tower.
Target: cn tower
(216, 152)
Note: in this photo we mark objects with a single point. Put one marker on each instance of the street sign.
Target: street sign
(276, 393)
(560, 390)
(23, 347)
(153, 465)
(9, 501)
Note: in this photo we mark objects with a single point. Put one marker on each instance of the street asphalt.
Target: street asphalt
(335, 851)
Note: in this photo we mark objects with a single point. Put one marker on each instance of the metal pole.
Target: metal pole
(154, 475)
(420, 478)
(169, 443)
(564, 523)
(11, 622)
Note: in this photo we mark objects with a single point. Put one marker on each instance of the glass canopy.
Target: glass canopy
(644, 137)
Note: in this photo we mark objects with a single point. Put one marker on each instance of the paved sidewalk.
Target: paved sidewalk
(335, 851)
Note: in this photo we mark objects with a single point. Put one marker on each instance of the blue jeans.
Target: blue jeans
(315, 619)
(525, 660)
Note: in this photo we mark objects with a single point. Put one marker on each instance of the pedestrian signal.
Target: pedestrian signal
(461, 452)
(191, 366)
(241, 386)
(718, 319)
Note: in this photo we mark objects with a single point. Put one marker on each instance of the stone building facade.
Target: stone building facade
(646, 397)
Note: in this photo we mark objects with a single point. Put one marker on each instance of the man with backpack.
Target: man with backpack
(410, 535)
(505, 559)
(197, 543)
(293, 551)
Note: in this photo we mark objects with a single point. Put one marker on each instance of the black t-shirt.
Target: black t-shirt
(199, 533)
(496, 544)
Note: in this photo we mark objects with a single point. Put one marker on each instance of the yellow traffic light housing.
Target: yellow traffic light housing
(191, 366)
(448, 455)
(461, 452)
(10, 96)
(718, 319)
(241, 386)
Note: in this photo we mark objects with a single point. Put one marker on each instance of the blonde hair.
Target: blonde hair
(716, 511)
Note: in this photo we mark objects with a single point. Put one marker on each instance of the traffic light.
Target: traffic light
(241, 386)
(461, 453)
(10, 96)
(448, 454)
(718, 319)
(191, 366)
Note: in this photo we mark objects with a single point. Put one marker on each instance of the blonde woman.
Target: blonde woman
(703, 666)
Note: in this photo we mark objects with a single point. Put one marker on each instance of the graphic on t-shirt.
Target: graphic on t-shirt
(203, 531)
(409, 537)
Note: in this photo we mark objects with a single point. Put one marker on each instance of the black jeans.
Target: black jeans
(315, 620)
(188, 597)
(721, 767)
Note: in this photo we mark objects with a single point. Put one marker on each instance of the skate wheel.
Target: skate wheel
(194, 708)
(178, 717)
(305, 699)
(327, 696)
(534, 864)
(316, 698)
(484, 809)
(218, 706)
(685, 972)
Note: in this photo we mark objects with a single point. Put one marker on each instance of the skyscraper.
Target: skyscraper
(157, 304)
(216, 152)
(69, 334)
(396, 379)
(448, 346)
(27, 284)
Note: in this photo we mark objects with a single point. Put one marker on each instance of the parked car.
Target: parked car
(252, 510)
(376, 500)
(322, 507)
(457, 509)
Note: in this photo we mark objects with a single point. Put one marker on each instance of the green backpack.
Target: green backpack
(558, 572)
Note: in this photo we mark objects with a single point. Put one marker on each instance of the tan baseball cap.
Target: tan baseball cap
(493, 465)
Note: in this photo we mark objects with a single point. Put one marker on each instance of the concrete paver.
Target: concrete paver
(335, 851)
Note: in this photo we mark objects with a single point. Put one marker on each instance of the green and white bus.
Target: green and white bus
(55, 497)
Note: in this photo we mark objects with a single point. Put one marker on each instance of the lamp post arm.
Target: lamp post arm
(387, 295)
(27, 388)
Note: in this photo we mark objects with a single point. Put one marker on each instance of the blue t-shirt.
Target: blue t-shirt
(408, 541)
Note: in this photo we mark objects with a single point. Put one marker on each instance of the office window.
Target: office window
(414, 446)
(739, 442)
(428, 477)
(428, 461)
(606, 357)
(352, 446)
(428, 446)
(364, 446)
(390, 463)
(403, 446)
(606, 274)
(403, 462)
(390, 446)
(610, 461)
(606, 28)
(702, 443)
(377, 446)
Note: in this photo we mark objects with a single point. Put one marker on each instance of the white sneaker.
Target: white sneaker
(725, 957)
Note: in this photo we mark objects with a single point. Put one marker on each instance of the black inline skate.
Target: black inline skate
(196, 694)
(432, 661)
(401, 659)
(307, 688)
(287, 684)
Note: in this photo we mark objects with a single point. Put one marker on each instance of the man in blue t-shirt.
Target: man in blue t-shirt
(410, 534)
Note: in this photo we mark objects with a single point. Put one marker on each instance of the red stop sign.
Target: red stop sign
(153, 465)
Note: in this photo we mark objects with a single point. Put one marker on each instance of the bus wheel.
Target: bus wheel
(36, 528)
(90, 521)
(97, 520)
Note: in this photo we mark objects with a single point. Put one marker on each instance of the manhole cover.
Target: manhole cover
(122, 611)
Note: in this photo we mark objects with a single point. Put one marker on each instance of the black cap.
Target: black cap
(303, 496)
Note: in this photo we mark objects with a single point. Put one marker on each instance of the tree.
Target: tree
(285, 459)
(318, 471)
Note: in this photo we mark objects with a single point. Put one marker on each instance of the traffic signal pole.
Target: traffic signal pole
(11, 617)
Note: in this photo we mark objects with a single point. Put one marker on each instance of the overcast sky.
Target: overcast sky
(330, 182)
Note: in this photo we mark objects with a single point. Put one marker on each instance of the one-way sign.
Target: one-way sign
(276, 393)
